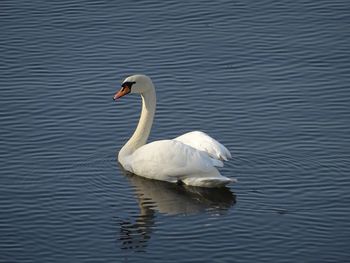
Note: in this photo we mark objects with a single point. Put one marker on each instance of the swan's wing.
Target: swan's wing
(203, 142)
(169, 160)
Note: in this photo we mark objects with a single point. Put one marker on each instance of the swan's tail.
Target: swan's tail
(214, 181)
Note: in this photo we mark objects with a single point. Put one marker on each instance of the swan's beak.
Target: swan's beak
(122, 92)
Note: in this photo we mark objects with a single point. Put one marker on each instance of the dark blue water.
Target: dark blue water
(268, 79)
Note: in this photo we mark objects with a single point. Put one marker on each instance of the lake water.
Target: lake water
(268, 79)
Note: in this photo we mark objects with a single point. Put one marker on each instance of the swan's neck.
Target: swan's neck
(144, 126)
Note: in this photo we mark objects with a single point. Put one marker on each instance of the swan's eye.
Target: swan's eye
(128, 84)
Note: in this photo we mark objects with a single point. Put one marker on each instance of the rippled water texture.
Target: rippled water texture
(269, 79)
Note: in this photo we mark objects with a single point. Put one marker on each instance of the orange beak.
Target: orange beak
(122, 92)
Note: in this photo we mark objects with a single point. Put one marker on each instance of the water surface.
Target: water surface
(269, 80)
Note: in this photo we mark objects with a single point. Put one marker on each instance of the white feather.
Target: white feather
(203, 142)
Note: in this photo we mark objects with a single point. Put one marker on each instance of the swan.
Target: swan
(191, 159)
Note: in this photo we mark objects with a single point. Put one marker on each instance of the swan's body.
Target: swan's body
(191, 158)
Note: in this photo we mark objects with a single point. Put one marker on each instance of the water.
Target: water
(270, 80)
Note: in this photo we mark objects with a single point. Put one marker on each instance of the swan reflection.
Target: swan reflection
(171, 199)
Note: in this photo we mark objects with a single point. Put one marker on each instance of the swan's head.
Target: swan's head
(134, 84)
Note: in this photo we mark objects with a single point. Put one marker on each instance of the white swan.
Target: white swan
(191, 158)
